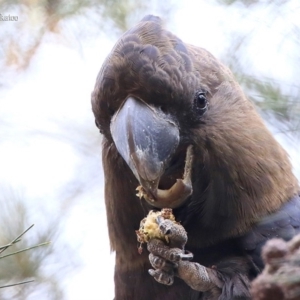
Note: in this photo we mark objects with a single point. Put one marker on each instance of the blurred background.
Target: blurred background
(50, 149)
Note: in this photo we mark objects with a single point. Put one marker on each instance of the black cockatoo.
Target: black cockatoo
(176, 123)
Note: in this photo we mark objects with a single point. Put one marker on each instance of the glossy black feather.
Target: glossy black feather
(285, 223)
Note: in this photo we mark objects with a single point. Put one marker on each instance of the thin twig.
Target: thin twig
(13, 253)
(17, 239)
(8, 245)
(18, 283)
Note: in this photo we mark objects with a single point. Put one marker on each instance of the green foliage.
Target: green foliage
(278, 100)
(39, 19)
(26, 261)
(267, 94)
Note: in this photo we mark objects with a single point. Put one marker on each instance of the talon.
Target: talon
(162, 264)
(162, 277)
(186, 255)
(164, 225)
(158, 262)
(175, 255)
(159, 220)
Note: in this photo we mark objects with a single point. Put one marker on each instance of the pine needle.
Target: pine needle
(16, 240)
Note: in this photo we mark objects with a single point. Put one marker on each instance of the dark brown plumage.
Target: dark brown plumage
(154, 97)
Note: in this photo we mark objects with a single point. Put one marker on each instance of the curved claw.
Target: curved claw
(162, 277)
(158, 248)
(186, 255)
(175, 233)
(158, 262)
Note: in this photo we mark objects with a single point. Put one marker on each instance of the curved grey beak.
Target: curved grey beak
(146, 138)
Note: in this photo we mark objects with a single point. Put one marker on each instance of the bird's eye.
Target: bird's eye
(200, 102)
